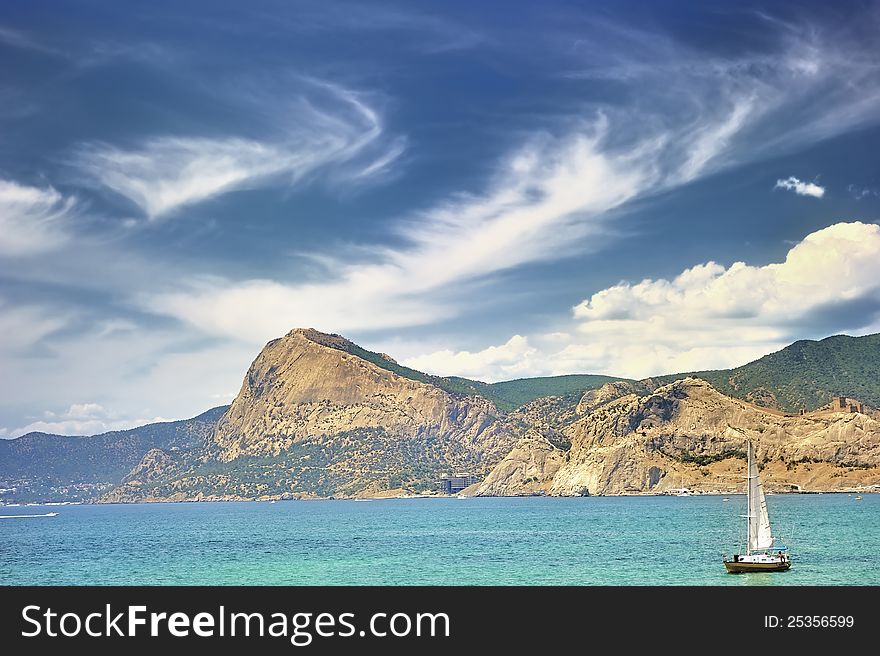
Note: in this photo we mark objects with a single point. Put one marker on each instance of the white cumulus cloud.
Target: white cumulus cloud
(507, 361)
(714, 316)
(709, 316)
(79, 419)
(800, 187)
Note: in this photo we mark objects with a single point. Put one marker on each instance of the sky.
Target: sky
(494, 190)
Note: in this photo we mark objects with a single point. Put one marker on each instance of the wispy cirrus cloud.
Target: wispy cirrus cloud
(544, 196)
(800, 187)
(32, 219)
(859, 193)
(556, 194)
(15, 38)
(23, 326)
(420, 31)
(328, 127)
(813, 83)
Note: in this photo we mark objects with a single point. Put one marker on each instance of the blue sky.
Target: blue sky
(494, 190)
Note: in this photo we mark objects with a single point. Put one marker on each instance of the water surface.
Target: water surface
(835, 540)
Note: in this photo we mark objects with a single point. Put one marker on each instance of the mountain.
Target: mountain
(46, 467)
(303, 385)
(687, 434)
(319, 416)
(506, 395)
(805, 374)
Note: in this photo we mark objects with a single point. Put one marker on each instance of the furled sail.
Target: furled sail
(760, 536)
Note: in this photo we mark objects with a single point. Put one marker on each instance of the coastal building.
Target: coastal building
(838, 404)
(844, 404)
(457, 482)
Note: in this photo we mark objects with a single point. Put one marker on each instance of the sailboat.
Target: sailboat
(761, 555)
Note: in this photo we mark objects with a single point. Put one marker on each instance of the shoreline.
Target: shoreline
(853, 491)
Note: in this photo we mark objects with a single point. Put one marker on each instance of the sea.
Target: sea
(834, 539)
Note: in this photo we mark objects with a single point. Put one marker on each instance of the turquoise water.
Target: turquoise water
(835, 540)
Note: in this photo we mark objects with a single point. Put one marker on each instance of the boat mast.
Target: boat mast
(749, 500)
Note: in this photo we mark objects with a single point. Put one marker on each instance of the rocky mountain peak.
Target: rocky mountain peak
(310, 385)
(592, 399)
(330, 340)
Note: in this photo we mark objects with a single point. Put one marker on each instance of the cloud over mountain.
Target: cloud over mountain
(709, 316)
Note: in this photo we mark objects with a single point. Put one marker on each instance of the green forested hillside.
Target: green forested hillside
(46, 466)
(805, 374)
(506, 395)
(515, 393)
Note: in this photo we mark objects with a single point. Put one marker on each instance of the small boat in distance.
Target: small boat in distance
(680, 491)
(859, 498)
(761, 555)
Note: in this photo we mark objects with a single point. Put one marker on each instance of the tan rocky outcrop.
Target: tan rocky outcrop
(593, 399)
(528, 469)
(687, 434)
(302, 386)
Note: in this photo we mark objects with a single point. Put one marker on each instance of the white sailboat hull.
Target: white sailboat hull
(758, 563)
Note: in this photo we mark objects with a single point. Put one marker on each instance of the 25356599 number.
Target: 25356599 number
(810, 621)
(820, 621)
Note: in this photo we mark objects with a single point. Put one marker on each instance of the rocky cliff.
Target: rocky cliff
(687, 434)
(306, 385)
(312, 419)
(319, 416)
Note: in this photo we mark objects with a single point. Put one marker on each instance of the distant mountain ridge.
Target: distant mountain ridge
(318, 415)
(44, 466)
(805, 374)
